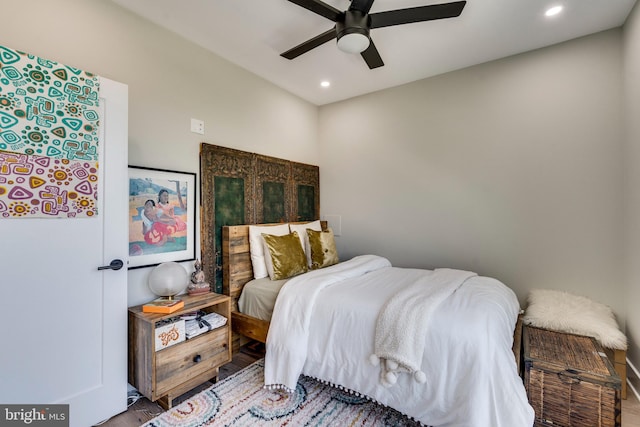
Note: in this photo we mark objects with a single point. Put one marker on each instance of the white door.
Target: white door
(63, 333)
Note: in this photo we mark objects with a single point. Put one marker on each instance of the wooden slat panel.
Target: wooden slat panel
(517, 344)
(141, 366)
(251, 327)
(619, 360)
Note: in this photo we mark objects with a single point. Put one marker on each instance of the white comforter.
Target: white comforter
(324, 326)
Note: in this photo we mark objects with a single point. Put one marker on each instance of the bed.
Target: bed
(470, 374)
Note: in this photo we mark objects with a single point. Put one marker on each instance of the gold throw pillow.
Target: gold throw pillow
(286, 254)
(323, 248)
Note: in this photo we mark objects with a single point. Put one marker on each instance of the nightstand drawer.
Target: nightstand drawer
(179, 363)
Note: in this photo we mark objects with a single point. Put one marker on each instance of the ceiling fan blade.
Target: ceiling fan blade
(416, 14)
(362, 5)
(310, 44)
(321, 8)
(372, 57)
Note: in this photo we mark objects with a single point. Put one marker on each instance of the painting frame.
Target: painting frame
(161, 232)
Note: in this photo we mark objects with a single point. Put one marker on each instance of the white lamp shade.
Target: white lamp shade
(168, 279)
(353, 43)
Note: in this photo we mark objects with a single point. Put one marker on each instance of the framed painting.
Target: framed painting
(161, 216)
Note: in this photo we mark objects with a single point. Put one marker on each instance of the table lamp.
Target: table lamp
(168, 279)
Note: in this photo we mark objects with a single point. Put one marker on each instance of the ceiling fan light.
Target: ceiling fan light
(553, 11)
(353, 43)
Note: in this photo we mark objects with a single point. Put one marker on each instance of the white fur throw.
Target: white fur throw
(565, 312)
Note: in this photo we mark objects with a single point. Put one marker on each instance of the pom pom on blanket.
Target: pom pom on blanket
(389, 379)
(374, 360)
(391, 369)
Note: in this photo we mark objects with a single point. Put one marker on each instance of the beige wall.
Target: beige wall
(632, 184)
(170, 81)
(512, 169)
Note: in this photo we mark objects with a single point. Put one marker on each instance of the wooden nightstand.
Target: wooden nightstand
(165, 374)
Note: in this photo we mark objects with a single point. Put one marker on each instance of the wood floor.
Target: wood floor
(143, 410)
(630, 411)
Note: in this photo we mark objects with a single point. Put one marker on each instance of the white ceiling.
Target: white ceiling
(253, 34)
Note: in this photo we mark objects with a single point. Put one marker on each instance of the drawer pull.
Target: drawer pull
(569, 376)
(197, 358)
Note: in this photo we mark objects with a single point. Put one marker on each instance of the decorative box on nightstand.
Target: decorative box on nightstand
(171, 371)
(169, 333)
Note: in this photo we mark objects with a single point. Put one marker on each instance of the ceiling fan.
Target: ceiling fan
(353, 25)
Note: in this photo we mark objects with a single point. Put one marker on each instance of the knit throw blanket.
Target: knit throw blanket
(404, 320)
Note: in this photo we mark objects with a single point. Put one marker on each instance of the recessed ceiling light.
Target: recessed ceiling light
(325, 84)
(553, 11)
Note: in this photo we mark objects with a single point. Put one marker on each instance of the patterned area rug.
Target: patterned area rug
(240, 400)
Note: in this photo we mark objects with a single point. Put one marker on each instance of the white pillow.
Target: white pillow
(301, 229)
(256, 246)
(565, 312)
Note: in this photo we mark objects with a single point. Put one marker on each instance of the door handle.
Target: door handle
(116, 264)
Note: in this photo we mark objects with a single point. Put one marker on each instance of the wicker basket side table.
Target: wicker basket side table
(569, 380)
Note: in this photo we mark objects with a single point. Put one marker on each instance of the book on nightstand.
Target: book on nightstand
(163, 305)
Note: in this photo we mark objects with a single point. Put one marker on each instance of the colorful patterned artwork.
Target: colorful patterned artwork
(49, 135)
(38, 186)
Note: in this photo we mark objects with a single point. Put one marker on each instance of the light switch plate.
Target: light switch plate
(197, 126)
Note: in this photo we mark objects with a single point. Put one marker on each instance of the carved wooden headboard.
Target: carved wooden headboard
(238, 187)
